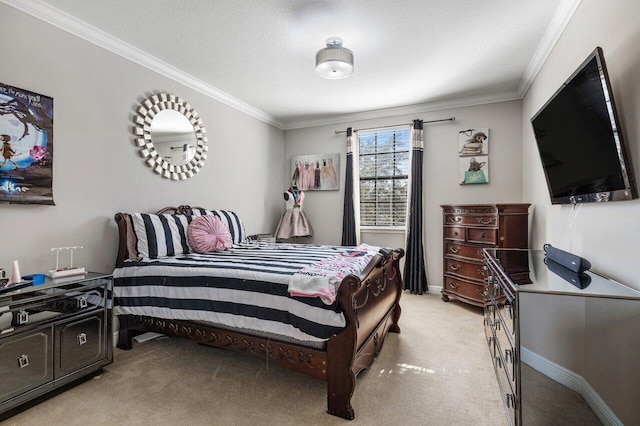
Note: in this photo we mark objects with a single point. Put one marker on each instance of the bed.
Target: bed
(352, 329)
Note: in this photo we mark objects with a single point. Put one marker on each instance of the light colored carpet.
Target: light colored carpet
(436, 372)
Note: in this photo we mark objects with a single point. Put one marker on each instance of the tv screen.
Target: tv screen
(578, 136)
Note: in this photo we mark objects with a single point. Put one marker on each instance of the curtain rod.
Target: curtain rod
(337, 132)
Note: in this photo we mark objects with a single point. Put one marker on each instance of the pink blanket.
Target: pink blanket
(322, 278)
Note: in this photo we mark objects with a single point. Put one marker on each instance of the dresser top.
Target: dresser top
(52, 283)
(527, 272)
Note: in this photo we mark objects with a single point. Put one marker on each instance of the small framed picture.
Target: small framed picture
(473, 142)
(316, 172)
(474, 170)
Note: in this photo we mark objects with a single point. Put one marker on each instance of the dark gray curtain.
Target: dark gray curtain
(348, 216)
(415, 276)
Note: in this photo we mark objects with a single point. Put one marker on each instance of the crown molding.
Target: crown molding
(66, 22)
(405, 110)
(83, 30)
(558, 23)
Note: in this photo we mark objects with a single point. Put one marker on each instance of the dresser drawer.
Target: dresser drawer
(471, 220)
(454, 233)
(489, 333)
(43, 306)
(506, 388)
(505, 350)
(462, 288)
(465, 269)
(506, 315)
(503, 357)
(463, 250)
(482, 236)
(79, 343)
(25, 362)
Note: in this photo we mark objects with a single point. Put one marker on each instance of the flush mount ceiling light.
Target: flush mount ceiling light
(334, 61)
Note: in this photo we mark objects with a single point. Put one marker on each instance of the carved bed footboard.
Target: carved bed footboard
(370, 304)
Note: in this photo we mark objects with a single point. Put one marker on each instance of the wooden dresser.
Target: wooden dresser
(467, 229)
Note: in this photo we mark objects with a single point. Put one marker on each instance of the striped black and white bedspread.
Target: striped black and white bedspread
(243, 287)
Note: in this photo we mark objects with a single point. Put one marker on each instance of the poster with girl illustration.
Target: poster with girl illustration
(316, 172)
(26, 146)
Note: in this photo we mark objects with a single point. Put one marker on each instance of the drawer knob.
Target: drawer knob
(453, 285)
(483, 235)
(454, 249)
(508, 312)
(23, 317)
(485, 221)
(455, 219)
(82, 302)
(508, 355)
(454, 267)
(23, 361)
(511, 401)
(82, 339)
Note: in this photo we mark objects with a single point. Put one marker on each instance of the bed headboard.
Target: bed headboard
(125, 230)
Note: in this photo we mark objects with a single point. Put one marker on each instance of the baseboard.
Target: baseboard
(552, 370)
(435, 289)
(573, 381)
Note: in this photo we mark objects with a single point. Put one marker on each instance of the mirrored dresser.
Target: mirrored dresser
(565, 347)
(52, 334)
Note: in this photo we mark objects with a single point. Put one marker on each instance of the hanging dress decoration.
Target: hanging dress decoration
(294, 222)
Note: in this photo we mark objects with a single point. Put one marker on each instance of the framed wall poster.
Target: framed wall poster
(473, 142)
(316, 172)
(474, 170)
(473, 156)
(26, 150)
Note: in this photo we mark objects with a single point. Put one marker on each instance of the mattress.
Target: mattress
(245, 288)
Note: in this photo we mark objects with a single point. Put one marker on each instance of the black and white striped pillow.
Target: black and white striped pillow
(160, 235)
(229, 218)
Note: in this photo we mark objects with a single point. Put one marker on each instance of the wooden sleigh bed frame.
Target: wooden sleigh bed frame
(370, 304)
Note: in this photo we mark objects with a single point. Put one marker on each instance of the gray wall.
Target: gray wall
(606, 234)
(97, 170)
(441, 183)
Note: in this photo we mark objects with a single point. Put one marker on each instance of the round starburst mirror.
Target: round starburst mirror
(171, 136)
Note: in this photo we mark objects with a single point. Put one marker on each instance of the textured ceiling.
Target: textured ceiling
(262, 52)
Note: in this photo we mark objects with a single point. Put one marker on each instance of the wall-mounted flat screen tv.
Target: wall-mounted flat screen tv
(583, 153)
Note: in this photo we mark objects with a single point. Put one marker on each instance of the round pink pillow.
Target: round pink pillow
(208, 233)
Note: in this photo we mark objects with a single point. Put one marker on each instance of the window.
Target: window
(384, 177)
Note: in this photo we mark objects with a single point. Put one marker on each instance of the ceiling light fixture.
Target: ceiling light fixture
(334, 61)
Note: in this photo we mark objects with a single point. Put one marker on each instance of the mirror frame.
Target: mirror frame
(142, 131)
